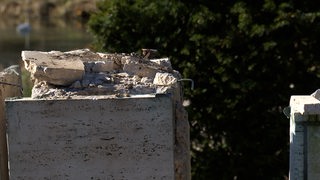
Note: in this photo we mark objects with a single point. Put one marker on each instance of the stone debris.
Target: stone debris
(82, 72)
(164, 79)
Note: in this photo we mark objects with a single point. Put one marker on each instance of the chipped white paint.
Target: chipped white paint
(101, 138)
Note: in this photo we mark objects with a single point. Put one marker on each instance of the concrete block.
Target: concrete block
(164, 79)
(92, 138)
(53, 67)
(139, 67)
(305, 104)
(163, 62)
(100, 66)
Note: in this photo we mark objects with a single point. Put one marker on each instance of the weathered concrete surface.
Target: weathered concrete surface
(141, 70)
(10, 86)
(163, 62)
(54, 68)
(97, 138)
(182, 159)
(122, 76)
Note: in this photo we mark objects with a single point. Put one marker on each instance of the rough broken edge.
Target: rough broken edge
(182, 159)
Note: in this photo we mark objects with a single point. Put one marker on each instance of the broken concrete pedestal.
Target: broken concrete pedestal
(116, 116)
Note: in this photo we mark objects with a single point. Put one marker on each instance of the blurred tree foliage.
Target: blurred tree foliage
(246, 57)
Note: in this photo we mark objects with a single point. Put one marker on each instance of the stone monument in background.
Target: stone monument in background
(305, 137)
